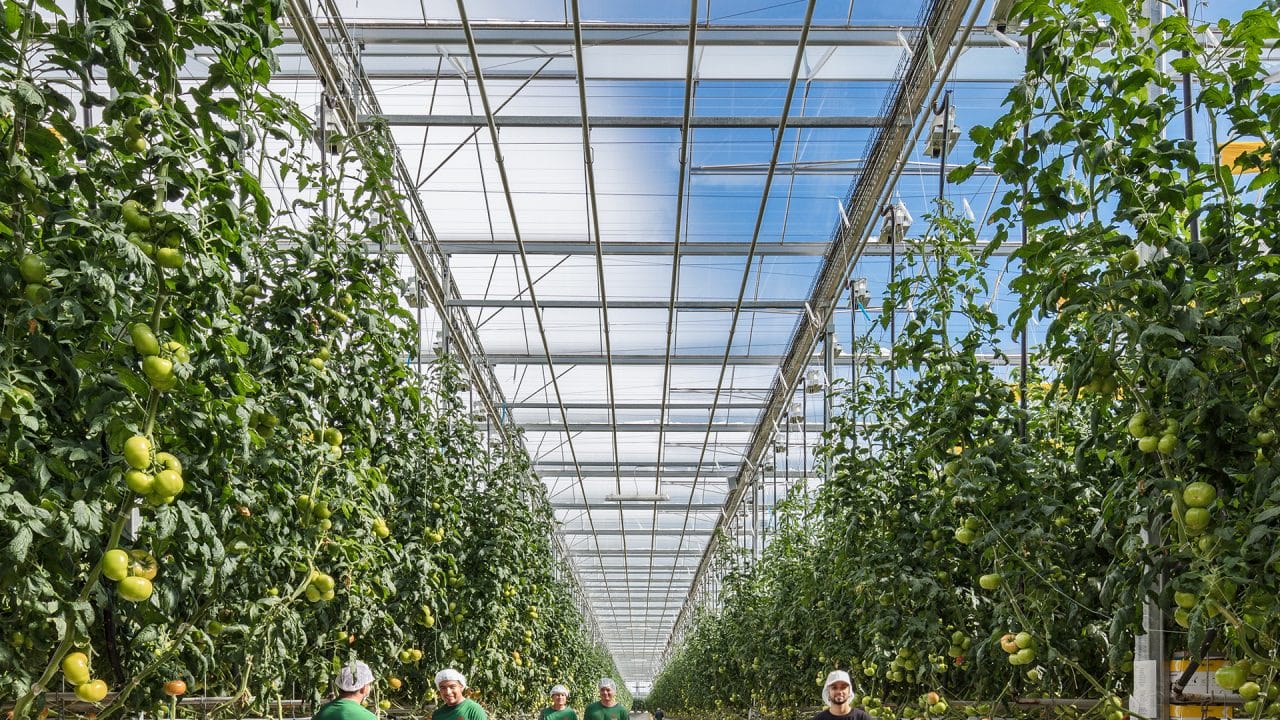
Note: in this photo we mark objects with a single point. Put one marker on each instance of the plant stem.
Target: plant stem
(23, 704)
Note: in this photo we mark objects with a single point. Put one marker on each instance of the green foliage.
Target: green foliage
(335, 502)
(1162, 367)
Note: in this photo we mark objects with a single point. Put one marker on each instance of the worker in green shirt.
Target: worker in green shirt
(450, 685)
(559, 709)
(355, 680)
(608, 708)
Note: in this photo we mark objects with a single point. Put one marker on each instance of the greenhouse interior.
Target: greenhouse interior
(765, 359)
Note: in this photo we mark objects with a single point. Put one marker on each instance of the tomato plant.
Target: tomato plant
(1142, 467)
(183, 349)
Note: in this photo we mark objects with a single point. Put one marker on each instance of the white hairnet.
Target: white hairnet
(451, 674)
(834, 677)
(559, 690)
(353, 676)
(607, 683)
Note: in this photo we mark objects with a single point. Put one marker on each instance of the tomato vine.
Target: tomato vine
(1147, 471)
(216, 382)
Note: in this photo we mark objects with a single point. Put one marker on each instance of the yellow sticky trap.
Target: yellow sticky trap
(1230, 153)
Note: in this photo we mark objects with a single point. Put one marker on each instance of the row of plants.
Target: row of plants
(218, 474)
(990, 540)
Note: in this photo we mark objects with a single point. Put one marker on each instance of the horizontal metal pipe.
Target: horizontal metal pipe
(624, 121)
(615, 304)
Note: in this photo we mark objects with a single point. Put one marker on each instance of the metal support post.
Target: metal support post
(829, 367)
(1150, 698)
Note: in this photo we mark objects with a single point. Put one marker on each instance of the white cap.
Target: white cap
(607, 683)
(559, 690)
(451, 674)
(834, 677)
(353, 676)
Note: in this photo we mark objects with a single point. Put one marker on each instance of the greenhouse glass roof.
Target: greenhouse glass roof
(650, 310)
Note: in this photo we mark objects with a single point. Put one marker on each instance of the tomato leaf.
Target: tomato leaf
(19, 544)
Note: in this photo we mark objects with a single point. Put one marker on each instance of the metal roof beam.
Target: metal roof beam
(676, 427)
(722, 305)
(625, 405)
(631, 531)
(584, 359)
(547, 33)
(625, 473)
(874, 248)
(641, 465)
(823, 168)
(650, 605)
(637, 359)
(615, 552)
(625, 121)
(554, 247)
(661, 507)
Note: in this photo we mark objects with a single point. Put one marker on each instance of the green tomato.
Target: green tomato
(1199, 494)
(133, 127)
(178, 351)
(157, 369)
(1185, 600)
(1130, 261)
(137, 452)
(138, 481)
(323, 582)
(33, 269)
(115, 564)
(1197, 519)
(135, 216)
(92, 691)
(1148, 443)
(144, 340)
(170, 258)
(990, 581)
(1230, 677)
(75, 667)
(167, 483)
(1137, 426)
(37, 294)
(166, 461)
(134, 589)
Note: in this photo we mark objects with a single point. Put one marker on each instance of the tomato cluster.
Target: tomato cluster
(217, 471)
(1136, 464)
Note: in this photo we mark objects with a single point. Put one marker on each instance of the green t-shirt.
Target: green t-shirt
(341, 709)
(468, 709)
(566, 714)
(597, 711)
